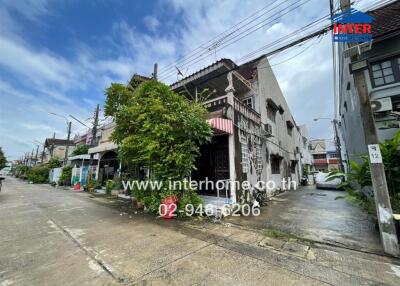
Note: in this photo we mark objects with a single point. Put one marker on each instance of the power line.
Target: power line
(222, 36)
(240, 36)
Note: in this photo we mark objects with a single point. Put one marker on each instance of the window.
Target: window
(248, 102)
(385, 72)
(319, 156)
(289, 126)
(293, 165)
(275, 164)
(258, 158)
(272, 108)
(271, 113)
(245, 154)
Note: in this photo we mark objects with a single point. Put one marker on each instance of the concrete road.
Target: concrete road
(320, 216)
(57, 237)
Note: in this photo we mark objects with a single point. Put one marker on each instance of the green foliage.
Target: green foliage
(38, 174)
(21, 171)
(360, 174)
(157, 129)
(54, 163)
(117, 96)
(3, 160)
(109, 187)
(65, 177)
(92, 185)
(80, 149)
(390, 150)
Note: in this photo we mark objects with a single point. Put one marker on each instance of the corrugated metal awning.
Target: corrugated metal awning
(221, 124)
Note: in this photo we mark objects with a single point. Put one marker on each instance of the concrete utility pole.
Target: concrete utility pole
(67, 144)
(155, 71)
(37, 152)
(95, 125)
(381, 194)
(338, 146)
(52, 145)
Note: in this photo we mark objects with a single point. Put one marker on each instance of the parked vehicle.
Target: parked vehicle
(1, 182)
(260, 196)
(304, 180)
(321, 183)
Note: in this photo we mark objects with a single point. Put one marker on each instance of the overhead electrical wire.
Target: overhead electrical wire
(237, 37)
(222, 35)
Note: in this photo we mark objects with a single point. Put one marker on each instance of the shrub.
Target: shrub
(38, 174)
(20, 171)
(92, 185)
(54, 163)
(360, 174)
(109, 187)
(80, 149)
(65, 178)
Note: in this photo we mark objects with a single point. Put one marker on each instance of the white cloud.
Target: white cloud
(151, 22)
(48, 81)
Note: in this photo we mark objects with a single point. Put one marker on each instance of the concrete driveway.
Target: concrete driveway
(56, 237)
(320, 216)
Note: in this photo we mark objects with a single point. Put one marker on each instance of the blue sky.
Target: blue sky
(58, 56)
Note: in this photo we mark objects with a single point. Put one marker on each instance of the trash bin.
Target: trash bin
(77, 186)
(168, 207)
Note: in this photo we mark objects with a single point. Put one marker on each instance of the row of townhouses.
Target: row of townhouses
(255, 137)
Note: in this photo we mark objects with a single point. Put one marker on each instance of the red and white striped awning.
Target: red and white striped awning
(220, 124)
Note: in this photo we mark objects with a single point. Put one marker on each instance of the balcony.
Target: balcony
(217, 108)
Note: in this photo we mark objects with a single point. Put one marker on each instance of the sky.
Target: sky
(59, 56)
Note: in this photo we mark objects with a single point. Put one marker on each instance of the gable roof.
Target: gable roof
(222, 63)
(352, 16)
(57, 142)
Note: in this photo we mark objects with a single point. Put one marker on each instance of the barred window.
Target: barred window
(245, 154)
(258, 158)
(275, 164)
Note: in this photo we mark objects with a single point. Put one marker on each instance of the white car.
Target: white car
(321, 183)
(5, 171)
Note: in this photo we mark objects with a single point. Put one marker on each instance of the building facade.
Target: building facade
(382, 74)
(255, 137)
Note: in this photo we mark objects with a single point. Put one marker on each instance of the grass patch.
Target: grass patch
(278, 234)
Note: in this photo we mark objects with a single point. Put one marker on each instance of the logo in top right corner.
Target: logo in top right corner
(352, 26)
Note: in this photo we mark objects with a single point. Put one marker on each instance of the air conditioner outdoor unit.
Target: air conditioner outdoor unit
(267, 130)
(381, 104)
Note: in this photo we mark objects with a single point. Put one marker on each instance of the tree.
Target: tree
(117, 95)
(80, 149)
(157, 128)
(3, 160)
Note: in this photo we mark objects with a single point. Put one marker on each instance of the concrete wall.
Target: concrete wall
(351, 128)
(259, 148)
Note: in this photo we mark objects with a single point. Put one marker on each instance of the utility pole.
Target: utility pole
(95, 124)
(93, 141)
(381, 194)
(337, 143)
(52, 145)
(155, 71)
(37, 152)
(43, 154)
(30, 162)
(67, 144)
